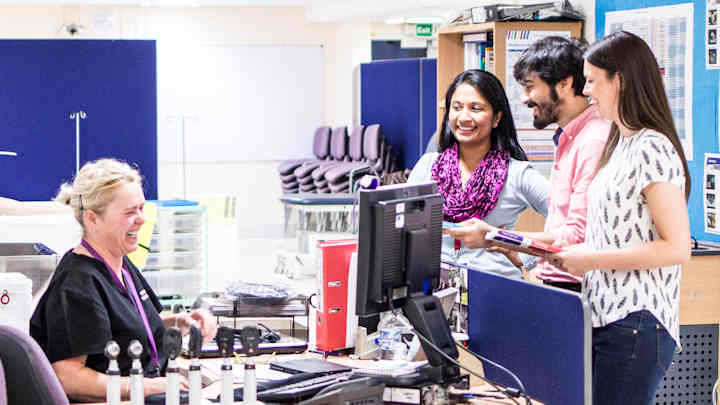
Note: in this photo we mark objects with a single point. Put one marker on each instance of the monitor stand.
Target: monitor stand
(426, 315)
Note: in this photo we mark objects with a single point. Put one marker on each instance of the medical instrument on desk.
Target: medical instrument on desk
(172, 342)
(194, 348)
(249, 384)
(137, 391)
(250, 337)
(225, 339)
(112, 393)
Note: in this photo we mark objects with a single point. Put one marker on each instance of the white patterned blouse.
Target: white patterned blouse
(619, 217)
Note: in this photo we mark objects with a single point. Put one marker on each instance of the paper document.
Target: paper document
(392, 368)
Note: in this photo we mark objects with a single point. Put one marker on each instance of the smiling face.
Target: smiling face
(471, 116)
(543, 100)
(603, 91)
(116, 229)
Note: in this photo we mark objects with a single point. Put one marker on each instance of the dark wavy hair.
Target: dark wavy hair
(553, 59)
(504, 136)
(642, 102)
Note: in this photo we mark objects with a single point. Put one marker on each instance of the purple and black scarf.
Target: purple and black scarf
(482, 190)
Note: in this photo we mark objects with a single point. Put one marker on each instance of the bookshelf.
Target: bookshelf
(451, 49)
(451, 61)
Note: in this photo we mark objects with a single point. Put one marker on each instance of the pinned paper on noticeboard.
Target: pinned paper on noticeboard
(711, 177)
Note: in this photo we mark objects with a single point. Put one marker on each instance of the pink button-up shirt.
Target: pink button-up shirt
(576, 156)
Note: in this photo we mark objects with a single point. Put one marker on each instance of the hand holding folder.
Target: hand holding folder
(519, 243)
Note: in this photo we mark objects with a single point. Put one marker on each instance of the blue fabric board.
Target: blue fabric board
(44, 81)
(430, 102)
(390, 94)
(539, 333)
(704, 107)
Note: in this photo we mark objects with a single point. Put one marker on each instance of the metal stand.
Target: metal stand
(77, 116)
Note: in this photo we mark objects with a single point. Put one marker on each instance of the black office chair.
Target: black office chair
(32, 380)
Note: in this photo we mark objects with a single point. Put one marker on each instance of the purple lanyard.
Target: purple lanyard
(133, 294)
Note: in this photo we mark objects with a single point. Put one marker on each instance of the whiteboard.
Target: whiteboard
(238, 102)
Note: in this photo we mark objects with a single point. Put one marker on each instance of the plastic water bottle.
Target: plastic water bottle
(390, 342)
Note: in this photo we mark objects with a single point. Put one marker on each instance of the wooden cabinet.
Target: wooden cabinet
(451, 54)
(700, 292)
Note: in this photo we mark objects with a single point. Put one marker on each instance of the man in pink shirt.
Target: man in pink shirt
(551, 72)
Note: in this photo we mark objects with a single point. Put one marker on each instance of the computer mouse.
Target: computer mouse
(159, 399)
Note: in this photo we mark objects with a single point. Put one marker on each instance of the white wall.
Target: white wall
(254, 182)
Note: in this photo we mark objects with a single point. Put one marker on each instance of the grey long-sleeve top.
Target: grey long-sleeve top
(524, 188)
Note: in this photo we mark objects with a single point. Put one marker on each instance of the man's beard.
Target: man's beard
(547, 112)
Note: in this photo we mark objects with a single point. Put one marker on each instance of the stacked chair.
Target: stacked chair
(339, 161)
(354, 155)
(321, 150)
(338, 152)
(374, 148)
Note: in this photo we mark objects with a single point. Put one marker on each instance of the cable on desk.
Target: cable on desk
(497, 387)
(521, 389)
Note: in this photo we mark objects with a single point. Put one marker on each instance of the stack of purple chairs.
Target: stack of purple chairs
(321, 150)
(339, 161)
(375, 153)
(338, 152)
(354, 154)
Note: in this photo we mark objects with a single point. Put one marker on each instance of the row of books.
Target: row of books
(479, 51)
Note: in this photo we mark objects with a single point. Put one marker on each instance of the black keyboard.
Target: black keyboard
(303, 389)
(295, 388)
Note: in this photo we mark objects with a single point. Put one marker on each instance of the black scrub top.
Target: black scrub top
(83, 308)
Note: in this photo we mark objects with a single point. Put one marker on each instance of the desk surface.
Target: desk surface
(213, 386)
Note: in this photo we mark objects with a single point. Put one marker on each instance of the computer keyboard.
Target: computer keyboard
(275, 390)
(303, 389)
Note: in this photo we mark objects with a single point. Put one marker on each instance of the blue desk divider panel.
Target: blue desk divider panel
(44, 81)
(396, 94)
(542, 334)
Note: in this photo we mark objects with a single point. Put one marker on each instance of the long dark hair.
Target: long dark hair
(642, 102)
(504, 136)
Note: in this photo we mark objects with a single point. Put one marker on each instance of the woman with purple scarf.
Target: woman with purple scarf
(481, 170)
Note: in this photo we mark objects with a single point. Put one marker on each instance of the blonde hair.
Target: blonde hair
(93, 186)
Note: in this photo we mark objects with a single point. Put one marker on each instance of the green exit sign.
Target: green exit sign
(423, 30)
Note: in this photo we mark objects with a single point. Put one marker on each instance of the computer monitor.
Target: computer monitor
(399, 246)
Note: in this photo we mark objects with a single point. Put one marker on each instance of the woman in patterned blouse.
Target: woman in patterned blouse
(637, 235)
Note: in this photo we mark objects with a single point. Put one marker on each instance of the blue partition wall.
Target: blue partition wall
(400, 96)
(705, 101)
(44, 81)
(542, 334)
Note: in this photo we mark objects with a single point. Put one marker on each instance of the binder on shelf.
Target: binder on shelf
(336, 320)
(477, 46)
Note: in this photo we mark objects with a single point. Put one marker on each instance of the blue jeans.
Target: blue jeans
(630, 358)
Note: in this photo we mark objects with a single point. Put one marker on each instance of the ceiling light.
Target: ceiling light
(423, 20)
(396, 20)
